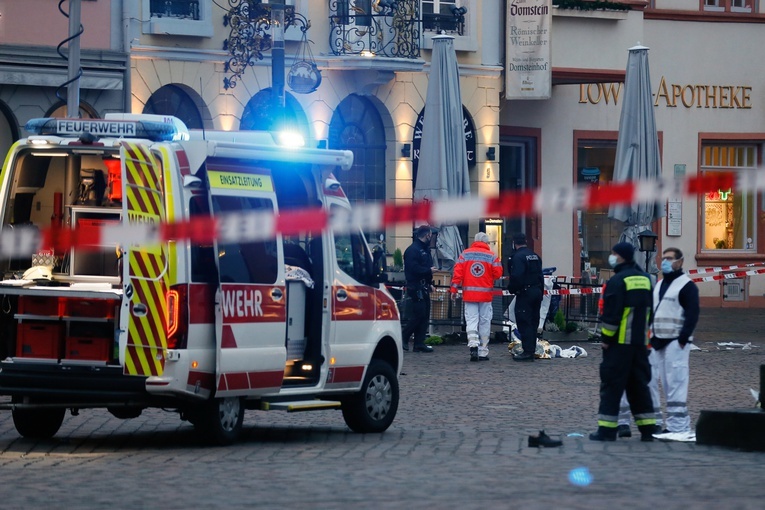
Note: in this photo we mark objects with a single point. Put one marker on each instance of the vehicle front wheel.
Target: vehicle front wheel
(373, 408)
(38, 423)
(220, 420)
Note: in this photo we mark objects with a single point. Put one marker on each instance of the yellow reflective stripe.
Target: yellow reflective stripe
(624, 325)
(608, 424)
(637, 282)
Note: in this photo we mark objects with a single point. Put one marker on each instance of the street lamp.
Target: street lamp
(647, 240)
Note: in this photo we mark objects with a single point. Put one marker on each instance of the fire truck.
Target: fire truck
(235, 314)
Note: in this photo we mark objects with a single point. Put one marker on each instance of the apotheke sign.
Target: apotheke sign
(673, 95)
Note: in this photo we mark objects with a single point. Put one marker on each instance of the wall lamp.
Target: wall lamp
(406, 150)
(491, 153)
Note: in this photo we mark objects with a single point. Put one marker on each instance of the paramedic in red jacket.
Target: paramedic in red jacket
(474, 273)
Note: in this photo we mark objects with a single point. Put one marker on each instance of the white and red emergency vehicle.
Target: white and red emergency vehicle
(213, 323)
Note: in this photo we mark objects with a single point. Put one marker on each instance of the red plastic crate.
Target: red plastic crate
(78, 347)
(40, 305)
(97, 308)
(39, 340)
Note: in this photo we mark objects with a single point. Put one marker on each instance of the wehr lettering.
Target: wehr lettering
(242, 303)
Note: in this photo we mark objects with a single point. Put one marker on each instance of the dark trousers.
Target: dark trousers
(625, 368)
(418, 322)
(527, 305)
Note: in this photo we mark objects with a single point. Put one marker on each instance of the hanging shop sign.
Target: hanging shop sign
(304, 75)
(528, 67)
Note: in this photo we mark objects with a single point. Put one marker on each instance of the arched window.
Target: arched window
(181, 102)
(262, 114)
(59, 109)
(357, 126)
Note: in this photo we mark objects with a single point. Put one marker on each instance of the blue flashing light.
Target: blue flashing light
(155, 131)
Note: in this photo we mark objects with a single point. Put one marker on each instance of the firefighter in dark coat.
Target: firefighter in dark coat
(627, 305)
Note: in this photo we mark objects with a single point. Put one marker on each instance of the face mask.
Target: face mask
(612, 260)
(666, 266)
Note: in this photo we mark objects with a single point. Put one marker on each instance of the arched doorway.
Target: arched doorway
(182, 102)
(9, 131)
(58, 111)
(357, 126)
(261, 114)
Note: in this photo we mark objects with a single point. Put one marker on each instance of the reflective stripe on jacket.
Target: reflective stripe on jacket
(627, 305)
(475, 272)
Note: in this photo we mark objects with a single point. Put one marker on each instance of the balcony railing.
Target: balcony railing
(389, 28)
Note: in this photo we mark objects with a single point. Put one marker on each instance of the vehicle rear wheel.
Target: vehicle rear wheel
(220, 420)
(373, 408)
(38, 423)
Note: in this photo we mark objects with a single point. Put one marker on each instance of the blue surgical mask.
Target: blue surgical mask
(666, 266)
(612, 260)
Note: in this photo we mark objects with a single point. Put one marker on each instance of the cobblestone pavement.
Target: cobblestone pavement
(459, 441)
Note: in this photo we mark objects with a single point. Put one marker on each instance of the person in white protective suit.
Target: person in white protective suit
(675, 315)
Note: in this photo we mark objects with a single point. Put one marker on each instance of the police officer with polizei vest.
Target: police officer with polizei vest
(418, 271)
(627, 306)
(527, 283)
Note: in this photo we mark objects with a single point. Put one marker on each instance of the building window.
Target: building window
(454, 17)
(729, 5)
(729, 216)
(179, 9)
(178, 17)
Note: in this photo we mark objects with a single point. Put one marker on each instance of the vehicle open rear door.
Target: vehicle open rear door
(144, 270)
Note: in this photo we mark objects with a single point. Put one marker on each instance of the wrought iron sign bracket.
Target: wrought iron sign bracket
(249, 37)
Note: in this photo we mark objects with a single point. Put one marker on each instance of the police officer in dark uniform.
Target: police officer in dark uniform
(418, 270)
(527, 283)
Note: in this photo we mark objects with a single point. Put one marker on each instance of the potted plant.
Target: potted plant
(561, 330)
(396, 271)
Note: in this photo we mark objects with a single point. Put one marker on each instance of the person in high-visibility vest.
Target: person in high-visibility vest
(675, 315)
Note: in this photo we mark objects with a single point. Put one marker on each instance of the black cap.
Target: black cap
(624, 250)
(519, 238)
(422, 230)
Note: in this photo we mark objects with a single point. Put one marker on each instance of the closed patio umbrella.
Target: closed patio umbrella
(443, 163)
(637, 151)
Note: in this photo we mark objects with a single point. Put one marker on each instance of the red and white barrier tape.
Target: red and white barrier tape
(254, 226)
(720, 269)
(728, 276)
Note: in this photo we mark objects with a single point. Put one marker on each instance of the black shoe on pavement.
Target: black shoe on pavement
(523, 357)
(602, 435)
(406, 347)
(474, 354)
(483, 358)
(422, 348)
(646, 437)
(543, 440)
(623, 431)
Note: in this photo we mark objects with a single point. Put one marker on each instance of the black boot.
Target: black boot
(647, 432)
(603, 434)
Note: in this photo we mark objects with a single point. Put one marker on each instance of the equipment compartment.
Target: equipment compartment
(39, 340)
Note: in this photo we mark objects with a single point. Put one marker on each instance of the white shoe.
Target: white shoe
(688, 436)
